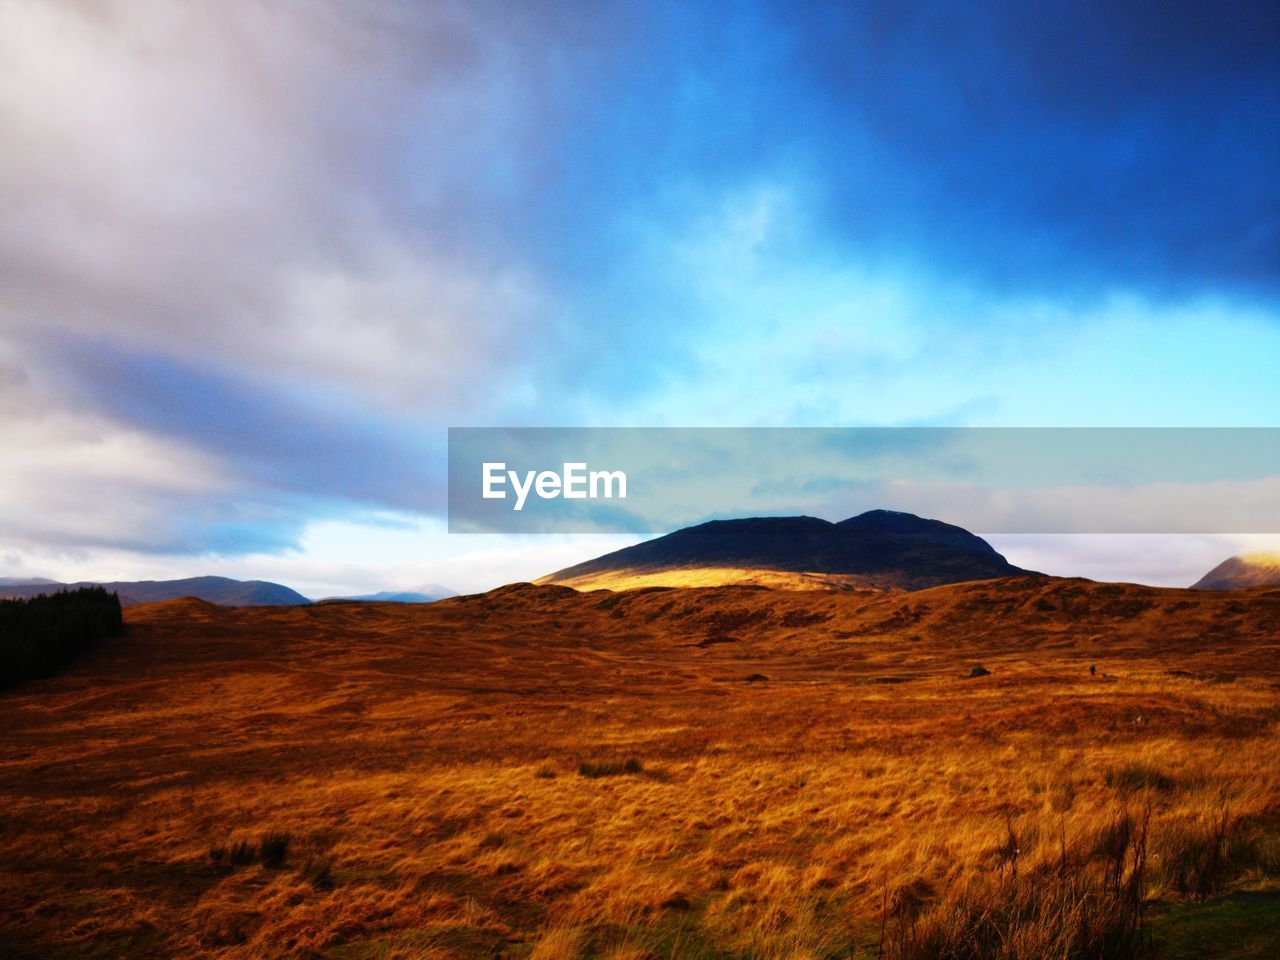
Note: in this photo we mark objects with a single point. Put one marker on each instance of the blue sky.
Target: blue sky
(257, 260)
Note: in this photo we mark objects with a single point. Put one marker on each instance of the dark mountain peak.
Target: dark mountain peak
(880, 548)
(895, 521)
(908, 525)
(757, 526)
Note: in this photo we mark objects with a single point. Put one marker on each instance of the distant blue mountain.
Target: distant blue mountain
(220, 590)
(427, 594)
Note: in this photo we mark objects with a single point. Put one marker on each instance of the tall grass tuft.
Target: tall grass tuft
(1087, 905)
(242, 853)
(610, 768)
(318, 871)
(274, 850)
(1198, 857)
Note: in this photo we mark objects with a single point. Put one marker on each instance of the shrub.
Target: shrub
(242, 854)
(609, 768)
(274, 849)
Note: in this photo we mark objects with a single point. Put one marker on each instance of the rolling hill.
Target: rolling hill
(220, 590)
(878, 550)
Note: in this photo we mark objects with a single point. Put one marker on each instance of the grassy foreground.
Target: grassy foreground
(718, 773)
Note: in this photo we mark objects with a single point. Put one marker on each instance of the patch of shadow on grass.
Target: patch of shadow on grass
(1134, 777)
(1241, 926)
(715, 638)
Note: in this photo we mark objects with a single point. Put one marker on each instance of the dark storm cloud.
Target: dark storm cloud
(1070, 145)
(299, 442)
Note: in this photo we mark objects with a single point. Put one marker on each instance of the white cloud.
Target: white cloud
(282, 196)
(260, 185)
(1166, 560)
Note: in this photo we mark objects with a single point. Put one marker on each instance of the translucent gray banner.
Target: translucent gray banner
(991, 480)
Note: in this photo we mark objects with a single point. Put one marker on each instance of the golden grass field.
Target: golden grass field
(426, 764)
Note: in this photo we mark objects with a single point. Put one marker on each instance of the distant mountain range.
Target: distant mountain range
(427, 594)
(1246, 570)
(220, 590)
(880, 549)
(877, 550)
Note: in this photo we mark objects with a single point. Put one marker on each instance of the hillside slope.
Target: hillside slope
(1237, 573)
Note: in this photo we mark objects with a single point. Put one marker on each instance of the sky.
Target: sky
(258, 257)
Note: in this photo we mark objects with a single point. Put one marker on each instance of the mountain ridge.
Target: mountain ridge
(876, 550)
(427, 594)
(220, 590)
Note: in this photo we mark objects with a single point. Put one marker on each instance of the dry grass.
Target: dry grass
(423, 764)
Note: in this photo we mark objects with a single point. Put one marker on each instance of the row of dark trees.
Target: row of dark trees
(40, 636)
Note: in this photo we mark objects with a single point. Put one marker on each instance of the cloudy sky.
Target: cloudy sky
(257, 257)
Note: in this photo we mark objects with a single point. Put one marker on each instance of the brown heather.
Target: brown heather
(542, 773)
